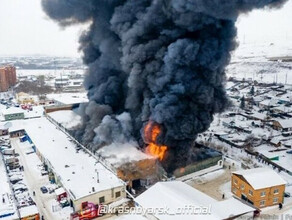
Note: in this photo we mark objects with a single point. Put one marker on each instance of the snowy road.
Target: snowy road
(34, 180)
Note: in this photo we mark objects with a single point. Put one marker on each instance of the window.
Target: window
(275, 200)
(235, 181)
(118, 194)
(101, 199)
(234, 190)
(250, 192)
(262, 203)
(263, 194)
(242, 186)
(276, 191)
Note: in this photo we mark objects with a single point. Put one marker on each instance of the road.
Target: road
(34, 182)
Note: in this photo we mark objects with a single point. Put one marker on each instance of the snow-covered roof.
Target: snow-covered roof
(258, 115)
(260, 178)
(269, 102)
(237, 207)
(12, 110)
(118, 154)
(37, 111)
(69, 98)
(28, 211)
(60, 191)
(282, 108)
(77, 171)
(176, 195)
(275, 140)
(285, 123)
(67, 118)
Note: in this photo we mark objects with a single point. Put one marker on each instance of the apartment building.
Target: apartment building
(7, 77)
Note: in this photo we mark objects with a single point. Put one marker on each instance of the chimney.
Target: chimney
(93, 189)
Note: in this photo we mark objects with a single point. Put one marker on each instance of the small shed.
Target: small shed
(29, 212)
(60, 193)
(13, 113)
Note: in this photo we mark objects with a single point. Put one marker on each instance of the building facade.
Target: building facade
(7, 77)
(260, 187)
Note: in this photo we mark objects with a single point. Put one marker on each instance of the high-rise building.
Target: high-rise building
(7, 77)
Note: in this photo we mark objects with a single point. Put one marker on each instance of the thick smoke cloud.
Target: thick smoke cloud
(158, 60)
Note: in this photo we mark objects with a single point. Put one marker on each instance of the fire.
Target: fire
(151, 132)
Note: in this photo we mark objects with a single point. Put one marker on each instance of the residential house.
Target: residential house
(3, 130)
(268, 103)
(284, 125)
(24, 98)
(260, 187)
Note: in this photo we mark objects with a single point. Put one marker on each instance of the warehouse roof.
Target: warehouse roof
(77, 171)
(176, 195)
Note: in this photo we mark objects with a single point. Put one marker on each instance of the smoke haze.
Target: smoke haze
(153, 60)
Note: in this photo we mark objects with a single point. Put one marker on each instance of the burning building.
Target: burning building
(156, 69)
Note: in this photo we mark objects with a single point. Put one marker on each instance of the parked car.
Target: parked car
(44, 189)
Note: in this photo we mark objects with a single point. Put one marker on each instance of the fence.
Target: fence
(97, 156)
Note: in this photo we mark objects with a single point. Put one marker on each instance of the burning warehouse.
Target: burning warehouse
(156, 69)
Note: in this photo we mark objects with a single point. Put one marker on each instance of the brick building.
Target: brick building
(7, 77)
(260, 187)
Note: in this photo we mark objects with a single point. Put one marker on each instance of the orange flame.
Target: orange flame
(151, 132)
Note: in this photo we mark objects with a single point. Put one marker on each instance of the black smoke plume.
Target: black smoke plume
(153, 60)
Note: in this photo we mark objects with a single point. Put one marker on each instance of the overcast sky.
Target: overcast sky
(25, 29)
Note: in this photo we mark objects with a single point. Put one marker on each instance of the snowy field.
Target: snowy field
(49, 72)
(251, 61)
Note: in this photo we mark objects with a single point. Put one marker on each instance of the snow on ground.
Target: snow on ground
(209, 176)
(285, 159)
(58, 212)
(47, 72)
(7, 207)
(226, 190)
(34, 180)
(250, 61)
(67, 118)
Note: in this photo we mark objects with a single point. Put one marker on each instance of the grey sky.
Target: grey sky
(25, 29)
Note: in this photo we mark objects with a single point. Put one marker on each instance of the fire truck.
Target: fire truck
(88, 211)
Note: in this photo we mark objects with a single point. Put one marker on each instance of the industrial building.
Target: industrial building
(82, 176)
(182, 201)
(7, 77)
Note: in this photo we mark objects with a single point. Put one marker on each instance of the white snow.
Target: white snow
(286, 123)
(176, 195)
(120, 153)
(69, 98)
(67, 118)
(70, 166)
(8, 207)
(28, 211)
(256, 176)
